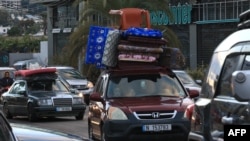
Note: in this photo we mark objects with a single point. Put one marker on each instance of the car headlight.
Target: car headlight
(90, 84)
(81, 94)
(189, 111)
(45, 102)
(115, 113)
(77, 100)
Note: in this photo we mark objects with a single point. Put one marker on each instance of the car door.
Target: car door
(19, 98)
(97, 108)
(225, 109)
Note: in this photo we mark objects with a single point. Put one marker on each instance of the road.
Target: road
(62, 124)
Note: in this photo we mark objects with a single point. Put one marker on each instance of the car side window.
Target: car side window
(99, 86)
(18, 87)
(232, 63)
(246, 64)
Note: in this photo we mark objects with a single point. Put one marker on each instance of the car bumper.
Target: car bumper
(195, 137)
(52, 111)
(125, 130)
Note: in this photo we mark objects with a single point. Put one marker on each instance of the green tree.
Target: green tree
(14, 31)
(96, 12)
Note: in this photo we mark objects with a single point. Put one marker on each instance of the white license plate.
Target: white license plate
(157, 127)
(63, 109)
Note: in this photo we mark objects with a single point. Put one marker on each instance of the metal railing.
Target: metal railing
(218, 12)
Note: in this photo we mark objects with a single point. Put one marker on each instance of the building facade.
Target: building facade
(11, 4)
(200, 25)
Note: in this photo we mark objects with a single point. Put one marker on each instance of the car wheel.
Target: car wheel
(80, 116)
(31, 113)
(6, 111)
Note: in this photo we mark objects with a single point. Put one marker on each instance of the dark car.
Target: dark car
(75, 80)
(38, 93)
(139, 103)
(224, 97)
(187, 80)
(21, 132)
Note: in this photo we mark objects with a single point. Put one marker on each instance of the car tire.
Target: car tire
(31, 113)
(6, 111)
(80, 116)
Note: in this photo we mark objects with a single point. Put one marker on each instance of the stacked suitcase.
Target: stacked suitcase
(135, 45)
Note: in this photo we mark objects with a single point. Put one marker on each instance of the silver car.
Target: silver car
(75, 80)
(188, 81)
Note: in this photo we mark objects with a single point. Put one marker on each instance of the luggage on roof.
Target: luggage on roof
(26, 73)
(107, 47)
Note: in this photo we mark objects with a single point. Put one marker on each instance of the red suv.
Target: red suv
(140, 102)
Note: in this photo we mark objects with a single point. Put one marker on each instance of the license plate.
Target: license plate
(157, 127)
(63, 109)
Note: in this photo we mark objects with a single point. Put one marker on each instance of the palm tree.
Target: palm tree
(96, 12)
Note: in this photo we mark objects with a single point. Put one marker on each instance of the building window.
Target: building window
(65, 16)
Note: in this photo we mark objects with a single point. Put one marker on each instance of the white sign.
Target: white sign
(67, 30)
(56, 30)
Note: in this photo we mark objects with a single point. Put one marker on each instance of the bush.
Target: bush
(197, 74)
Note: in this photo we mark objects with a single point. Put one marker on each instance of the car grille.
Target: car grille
(80, 87)
(62, 101)
(156, 114)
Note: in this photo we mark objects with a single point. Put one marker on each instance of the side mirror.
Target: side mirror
(23, 93)
(240, 85)
(198, 81)
(95, 97)
(74, 91)
(193, 93)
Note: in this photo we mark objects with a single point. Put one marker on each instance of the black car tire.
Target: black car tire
(80, 116)
(6, 111)
(31, 113)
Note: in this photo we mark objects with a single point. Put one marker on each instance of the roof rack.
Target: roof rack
(244, 20)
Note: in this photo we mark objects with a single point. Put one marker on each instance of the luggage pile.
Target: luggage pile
(131, 43)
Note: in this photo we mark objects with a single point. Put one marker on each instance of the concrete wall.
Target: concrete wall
(42, 56)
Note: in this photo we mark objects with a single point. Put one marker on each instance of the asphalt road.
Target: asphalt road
(62, 124)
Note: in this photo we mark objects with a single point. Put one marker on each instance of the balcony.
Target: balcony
(219, 12)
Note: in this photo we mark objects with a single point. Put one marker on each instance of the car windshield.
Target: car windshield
(48, 85)
(70, 74)
(144, 85)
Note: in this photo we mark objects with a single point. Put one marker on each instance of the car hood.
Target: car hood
(44, 94)
(152, 103)
(77, 81)
(29, 133)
